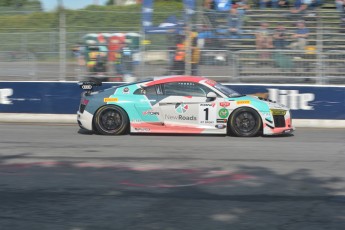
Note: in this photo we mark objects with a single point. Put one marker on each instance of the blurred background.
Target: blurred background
(243, 41)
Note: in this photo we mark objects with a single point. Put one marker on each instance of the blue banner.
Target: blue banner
(305, 102)
(189, 7)
(146, 13)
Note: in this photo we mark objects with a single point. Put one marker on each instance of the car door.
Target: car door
(147, 107)
(184, 106)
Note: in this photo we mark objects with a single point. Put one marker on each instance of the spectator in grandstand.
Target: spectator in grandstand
(222, 8)
(340, 4)
(222, 5)
(342, 24)
(284, 3)
(209, 4)
(234, 23)
(280, 36)
(301, 7)
(219, 6)
(263, 39)
(241, 6)
(300, 36)
(209, 10)
(266, 3)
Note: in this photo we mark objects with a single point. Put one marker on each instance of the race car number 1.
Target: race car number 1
(207, 113)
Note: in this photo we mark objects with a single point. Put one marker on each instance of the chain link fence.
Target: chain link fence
(289, 65)
(41, 46)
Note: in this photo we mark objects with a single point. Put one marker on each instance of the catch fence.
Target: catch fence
(46, 46)
(276, 66)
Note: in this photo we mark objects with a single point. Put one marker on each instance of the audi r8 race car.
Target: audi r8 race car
(180, 104)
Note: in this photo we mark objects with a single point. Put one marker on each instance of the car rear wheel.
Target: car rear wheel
(245, 122)
(111, 120)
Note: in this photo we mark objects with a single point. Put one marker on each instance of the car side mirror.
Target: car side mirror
(211, 96)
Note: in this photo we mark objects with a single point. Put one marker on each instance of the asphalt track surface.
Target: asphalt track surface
(56, 177)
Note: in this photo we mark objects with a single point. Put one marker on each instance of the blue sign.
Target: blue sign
(305, 102)
(146, 13)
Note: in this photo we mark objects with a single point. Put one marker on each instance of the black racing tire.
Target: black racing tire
(244, 122)
(111, 120)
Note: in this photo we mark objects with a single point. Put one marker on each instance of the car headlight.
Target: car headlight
(278, 112)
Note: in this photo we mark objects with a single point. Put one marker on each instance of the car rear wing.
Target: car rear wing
(89, 85)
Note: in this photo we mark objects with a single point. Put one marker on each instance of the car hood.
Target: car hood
(260, 103)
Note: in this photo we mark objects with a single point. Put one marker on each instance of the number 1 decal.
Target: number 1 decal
(207, 113)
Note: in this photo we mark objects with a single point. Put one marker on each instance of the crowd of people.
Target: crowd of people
(297, 6)
(234, 11)
(280, 38)
(265, 37)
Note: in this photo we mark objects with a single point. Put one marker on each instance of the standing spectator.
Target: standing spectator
(300, 36)
(127, 59)
(242, 6)
(210, 10)
(300, 8)
(234, 23)
(265, 3)
(209, 4)
(340, 6)
(263, 39)
(119, 69)
(78, 52)
(284, 3)
(179, 60)
(195, 57)
(222, 5)
(280, 37)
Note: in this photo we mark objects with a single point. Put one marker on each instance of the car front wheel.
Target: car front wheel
(111, 120)
(245, 122)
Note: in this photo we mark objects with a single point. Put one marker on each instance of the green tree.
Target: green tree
(21, 3)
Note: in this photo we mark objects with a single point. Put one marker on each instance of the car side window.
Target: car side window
(151, 90)
(185, 89)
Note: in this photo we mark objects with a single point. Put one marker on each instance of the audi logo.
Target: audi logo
(86, 86)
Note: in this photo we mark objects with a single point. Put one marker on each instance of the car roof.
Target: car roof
(161, 80)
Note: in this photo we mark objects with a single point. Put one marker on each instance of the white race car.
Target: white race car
(180, 104)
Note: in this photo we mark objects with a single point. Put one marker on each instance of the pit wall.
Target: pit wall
(57, 102)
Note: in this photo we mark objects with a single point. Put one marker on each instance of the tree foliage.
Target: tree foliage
(21, 4)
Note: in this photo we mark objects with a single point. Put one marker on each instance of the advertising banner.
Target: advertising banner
(305, 102)
(146, 13)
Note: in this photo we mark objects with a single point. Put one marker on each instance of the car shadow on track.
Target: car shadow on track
(87, 132)
(279, 136)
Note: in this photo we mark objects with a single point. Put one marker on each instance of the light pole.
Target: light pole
(62, 41)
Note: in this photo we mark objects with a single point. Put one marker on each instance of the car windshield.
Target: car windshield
(227, 91)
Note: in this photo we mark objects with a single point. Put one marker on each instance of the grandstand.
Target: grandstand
(324, 53)
(324, 21)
